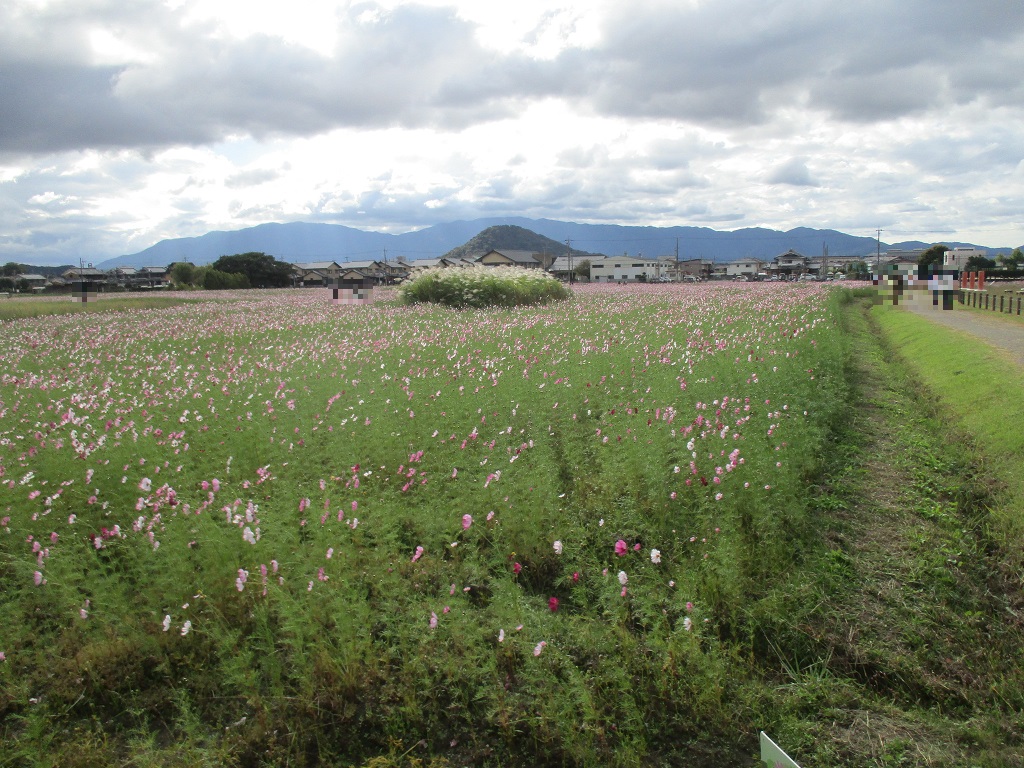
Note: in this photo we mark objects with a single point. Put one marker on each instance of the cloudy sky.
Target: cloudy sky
(124, 122)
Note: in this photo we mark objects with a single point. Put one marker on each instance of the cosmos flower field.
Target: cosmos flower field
(277, 531)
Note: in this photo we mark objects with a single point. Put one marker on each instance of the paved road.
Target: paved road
(1004, 332)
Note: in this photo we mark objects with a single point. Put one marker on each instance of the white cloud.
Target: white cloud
(126, 123)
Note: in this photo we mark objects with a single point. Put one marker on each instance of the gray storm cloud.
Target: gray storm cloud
(731, 63)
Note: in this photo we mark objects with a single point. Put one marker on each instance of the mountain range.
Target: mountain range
(305, 242)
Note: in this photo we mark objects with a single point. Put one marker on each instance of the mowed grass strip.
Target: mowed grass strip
(898, 640)
(983, 394)
(19, 309)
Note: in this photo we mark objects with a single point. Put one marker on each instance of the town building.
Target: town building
(624, 269)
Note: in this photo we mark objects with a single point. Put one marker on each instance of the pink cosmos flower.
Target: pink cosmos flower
(623, 578)
(418, 555)
(38, 578)
(516, 568)
(501, 635)
(433, 620)
(539, 647)
(467, 520)
(553, 604)
(621, 548)
(558, 547)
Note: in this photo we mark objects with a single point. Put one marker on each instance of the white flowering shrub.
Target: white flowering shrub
(483, 287)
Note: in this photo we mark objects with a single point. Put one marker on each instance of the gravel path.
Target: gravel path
(1003, 332)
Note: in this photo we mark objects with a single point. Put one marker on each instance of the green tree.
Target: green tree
(858, 269)
(933, 255)
(582, 270)
(11, 269)
(182, 273)
(978, 263)
(215, 280)
(6, 283)
(262, 271)
(1015, 260)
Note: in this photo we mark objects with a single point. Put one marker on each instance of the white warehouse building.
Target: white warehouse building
(956, 258)
(624, 269)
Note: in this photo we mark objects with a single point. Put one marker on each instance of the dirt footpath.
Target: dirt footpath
(1003, 332)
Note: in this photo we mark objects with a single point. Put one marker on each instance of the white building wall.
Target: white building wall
(955, 258)
(623, 269)
(746, 267)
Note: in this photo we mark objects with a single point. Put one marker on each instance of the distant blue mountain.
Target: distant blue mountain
(302, 241)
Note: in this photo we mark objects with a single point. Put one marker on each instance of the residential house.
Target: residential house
(311, 278)
(152, 277)
(123, 277)
(563, 265)
(677, 269)
(791, 265)
(743, 268)
(508, 258)
(93, 278)
(421, 264)
(319, 272)
(35, 282)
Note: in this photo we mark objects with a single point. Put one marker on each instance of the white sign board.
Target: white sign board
(773, 756)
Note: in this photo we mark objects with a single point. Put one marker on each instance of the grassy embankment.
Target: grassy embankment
(979, 392)
(900, 641)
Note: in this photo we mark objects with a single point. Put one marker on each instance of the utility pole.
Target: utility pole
(878, 252)
(568, 255)
(677, 258)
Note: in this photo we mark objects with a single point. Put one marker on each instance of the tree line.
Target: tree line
(241, 270)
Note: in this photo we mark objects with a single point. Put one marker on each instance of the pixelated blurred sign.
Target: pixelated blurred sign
(773, 756)
(82, 290)
(352, 287)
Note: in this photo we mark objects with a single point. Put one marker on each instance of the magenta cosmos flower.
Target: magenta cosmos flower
(621, 548)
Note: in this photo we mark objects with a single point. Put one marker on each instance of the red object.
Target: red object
(553, 604)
